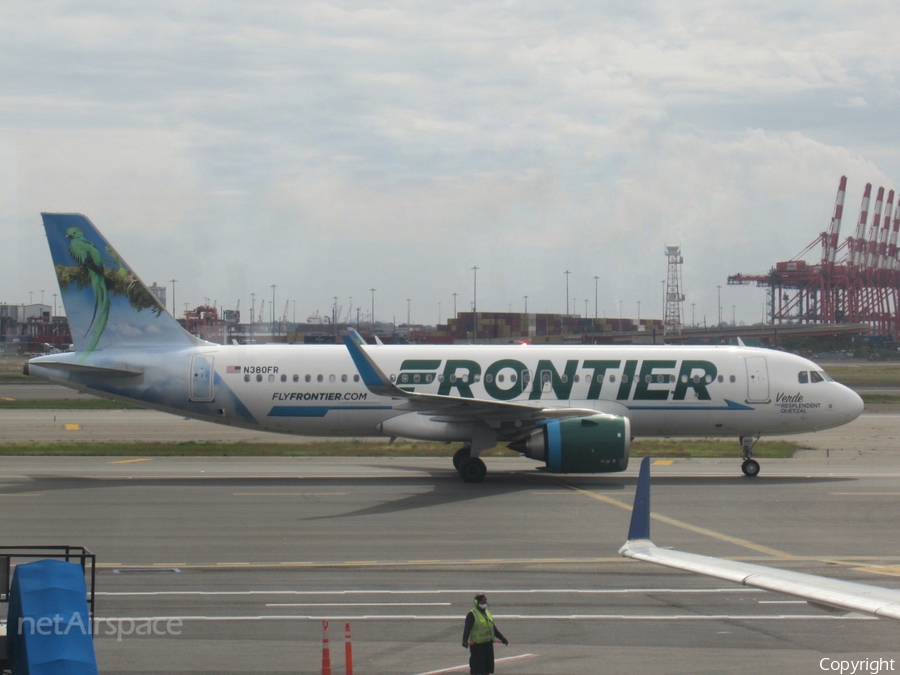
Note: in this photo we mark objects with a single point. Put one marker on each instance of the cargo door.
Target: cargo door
(757, 379)
(201, 378)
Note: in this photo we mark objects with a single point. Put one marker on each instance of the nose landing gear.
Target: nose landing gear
(750, 466)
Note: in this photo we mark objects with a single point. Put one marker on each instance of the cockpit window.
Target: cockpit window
(827, 377)
(815, 376)
(803, 377)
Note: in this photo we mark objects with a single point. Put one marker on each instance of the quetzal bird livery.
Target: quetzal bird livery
(87, 255)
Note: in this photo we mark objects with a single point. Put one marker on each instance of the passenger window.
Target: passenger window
(564, 378)
(331, 378)
(501, 377)
(577, 378)
(488, 378)
(259, 378)
(308, 378)
(296, 378)
(319, 378)
(343, 378)
(417, 377)
(476, 378)
(512, 378)
(284, 378)
(246, 378)
(684, 379)
(356, 378)
(625, 379)
(429, 377)
(731, 379)
(803, 377)
(721, 379)
(271, 378)
(404, 378)
(815, 377)
(393, 378)
(648, 379)
(612, 378)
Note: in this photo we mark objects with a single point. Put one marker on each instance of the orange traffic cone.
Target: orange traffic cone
(326, 653)
(348, 650)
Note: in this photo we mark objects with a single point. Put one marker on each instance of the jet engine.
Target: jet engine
(592, 444)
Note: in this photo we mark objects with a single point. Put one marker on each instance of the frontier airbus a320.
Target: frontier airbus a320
(574, 408)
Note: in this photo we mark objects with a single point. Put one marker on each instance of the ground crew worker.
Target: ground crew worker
(479, 635)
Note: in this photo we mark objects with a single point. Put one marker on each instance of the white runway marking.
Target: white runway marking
(466, 591)
(358, 604)
(506, 617)
(456, 669)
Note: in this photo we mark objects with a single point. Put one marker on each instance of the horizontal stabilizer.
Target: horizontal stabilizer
(95, 371)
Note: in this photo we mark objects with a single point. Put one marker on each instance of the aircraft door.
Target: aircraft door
(546, 381)
(526, 381)
(757, 379)
(201, 378)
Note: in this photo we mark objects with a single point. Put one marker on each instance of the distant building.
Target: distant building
(159, 292)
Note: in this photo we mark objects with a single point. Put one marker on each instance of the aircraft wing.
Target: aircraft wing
(817, 590)
(453, 408)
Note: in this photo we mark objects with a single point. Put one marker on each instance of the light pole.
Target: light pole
(454, 305)
(173, 282)
(567, 273)
(595, 296)
(693, 323)
(439, 312)
(526, 304)
(333, 316)
(733, 322)
(719, 291)
(408, 322)
(621, 328)
(273, 287)
(54, 304)
(585, 307)
(639, 312)
(372, 290)
(475, 305)
(252, 312)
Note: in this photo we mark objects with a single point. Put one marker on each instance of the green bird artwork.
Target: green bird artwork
(89, 258)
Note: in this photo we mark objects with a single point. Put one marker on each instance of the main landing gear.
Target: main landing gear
(750, 467)
(471, 469)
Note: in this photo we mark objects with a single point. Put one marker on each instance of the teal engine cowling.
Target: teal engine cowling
(591, 444)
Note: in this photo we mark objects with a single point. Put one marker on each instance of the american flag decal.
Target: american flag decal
(232, 369)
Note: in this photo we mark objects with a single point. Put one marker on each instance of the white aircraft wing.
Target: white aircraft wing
(452, 407)
(817, 590)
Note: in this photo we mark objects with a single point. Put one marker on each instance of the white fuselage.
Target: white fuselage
(316, 390)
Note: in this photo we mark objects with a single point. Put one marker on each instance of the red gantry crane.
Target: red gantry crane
(856, 281)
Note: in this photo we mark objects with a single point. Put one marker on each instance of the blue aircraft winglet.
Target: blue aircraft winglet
(372, 376)
(640, 514)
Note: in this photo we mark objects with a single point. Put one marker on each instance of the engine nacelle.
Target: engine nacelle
(595, 444)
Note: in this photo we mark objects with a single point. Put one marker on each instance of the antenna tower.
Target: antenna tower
(674, 296)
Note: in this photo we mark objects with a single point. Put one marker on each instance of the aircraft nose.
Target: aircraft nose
(852, 404)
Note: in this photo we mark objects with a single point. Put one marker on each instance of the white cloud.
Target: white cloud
(329, 147)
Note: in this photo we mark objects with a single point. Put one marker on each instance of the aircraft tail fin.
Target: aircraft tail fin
(640, 514)
(108, 306)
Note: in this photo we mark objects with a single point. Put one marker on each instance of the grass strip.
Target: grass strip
(880, 398)
(684, 448)
(67, 404)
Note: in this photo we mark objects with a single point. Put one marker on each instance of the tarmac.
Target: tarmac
(245, 557)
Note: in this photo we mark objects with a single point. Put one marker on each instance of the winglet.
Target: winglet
(373, 377)
(640, 514)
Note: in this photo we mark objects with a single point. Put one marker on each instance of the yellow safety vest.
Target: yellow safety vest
(483, 628)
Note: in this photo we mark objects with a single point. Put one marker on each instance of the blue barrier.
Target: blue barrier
(49, 627)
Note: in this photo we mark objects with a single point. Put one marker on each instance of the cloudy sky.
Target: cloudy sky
(332, 147)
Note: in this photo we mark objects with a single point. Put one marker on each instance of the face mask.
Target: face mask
(482, 605)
